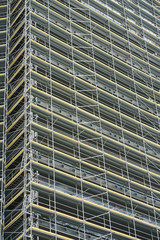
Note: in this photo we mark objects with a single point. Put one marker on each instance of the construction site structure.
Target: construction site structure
(80, 119)
(3, 77)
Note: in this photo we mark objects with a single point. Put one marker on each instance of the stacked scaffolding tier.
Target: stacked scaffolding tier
(83, 120)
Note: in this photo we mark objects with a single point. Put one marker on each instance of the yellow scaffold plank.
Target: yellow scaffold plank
(93, 204)
(17, 29)
(22, 234)
(41, 231)
(16, 58)
(133, 120)
(17, 195)
(151, 5)
(16, 17)
(13, 159)
(10, 223)
(4, 18)
(99, 38)
(15, 122)
(2, 6)
(92, 86)
(15, 88)
(105, 121)
(121, 144)
(15, 6)
(16, 73)
(102, 5)
(14, 140)
(15, 105)
(134, 166)
(14, 178)
(16, 43)
(81, 221)
(94, 185)
(126, 116)
(97, 25)
(96, 12)
(110, 21)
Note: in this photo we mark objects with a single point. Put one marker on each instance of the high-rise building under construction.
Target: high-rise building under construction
(80, 119)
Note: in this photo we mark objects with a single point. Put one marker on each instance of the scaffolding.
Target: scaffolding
(81, 120)
(3, 76)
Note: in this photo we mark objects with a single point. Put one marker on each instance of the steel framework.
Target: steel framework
(80, 119)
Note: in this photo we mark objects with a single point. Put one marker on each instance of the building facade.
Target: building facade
(80, 119)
